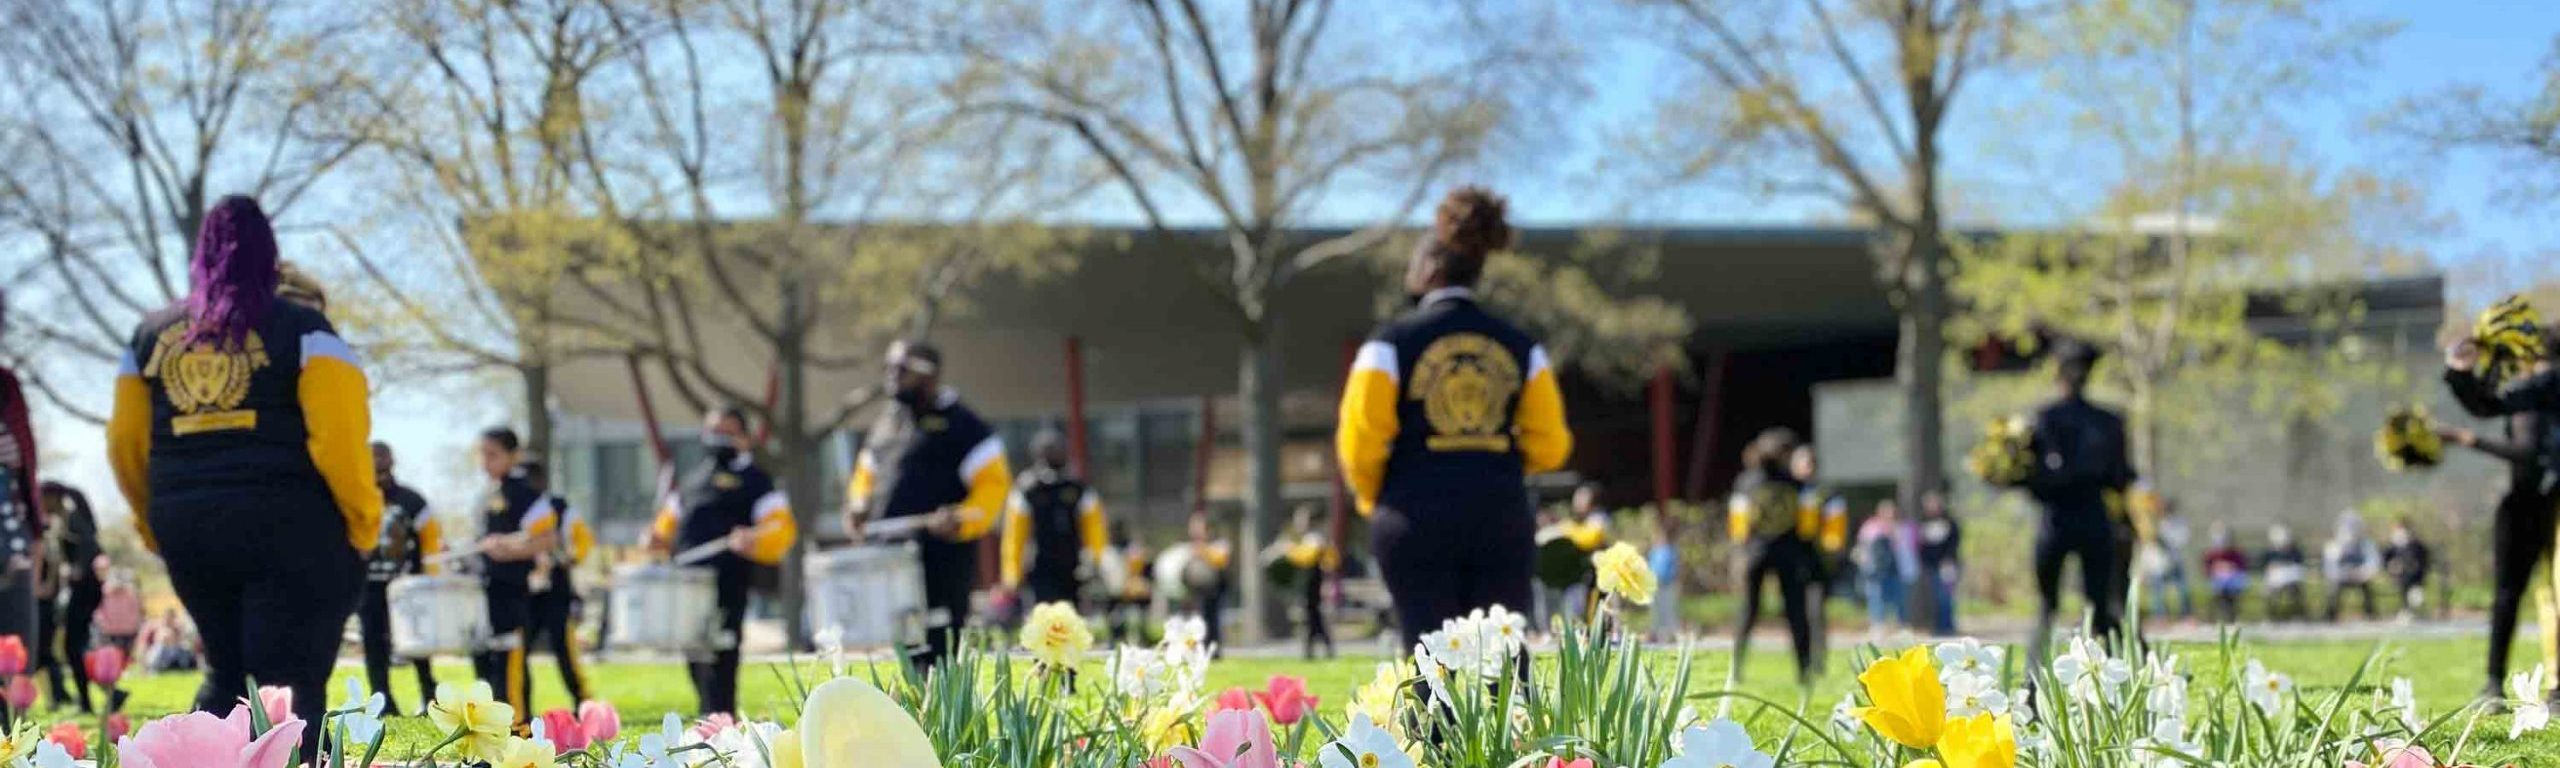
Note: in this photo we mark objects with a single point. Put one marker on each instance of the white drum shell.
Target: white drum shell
(666, 608)
(433, 615)
(872, 596)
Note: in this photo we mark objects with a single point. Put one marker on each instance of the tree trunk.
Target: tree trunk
(1260, 390)
(537, 410)
(1919, 365)
(2145, 426)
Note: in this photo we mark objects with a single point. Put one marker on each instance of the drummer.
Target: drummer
(730, 500)
(555, 593)
(407, 534)
(928, 454)
(1059, 518)
(518, 524)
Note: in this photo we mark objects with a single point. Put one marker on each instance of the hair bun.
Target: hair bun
(1470, 222)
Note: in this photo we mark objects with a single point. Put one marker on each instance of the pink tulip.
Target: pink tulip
(69, 737)
(1235, 739)
(200, 740)
(714, 723)
(1558, 762)
(562, 727)
(277, 701)
(105, 665)
(599, 721)
(116, 727)
(1287, 699)
(13, 656)
(22, 692)
(1234, 700)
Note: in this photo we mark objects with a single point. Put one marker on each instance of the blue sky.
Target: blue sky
(2496, 45)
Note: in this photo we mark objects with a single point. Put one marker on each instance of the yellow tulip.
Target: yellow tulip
(1910, 704)
(1924, 763)
(784, 752)
(1056, 635)
(1167, 727)
(523, 753)
(1980, 741)
(848, 723)
(1624, 574)
(474, 710)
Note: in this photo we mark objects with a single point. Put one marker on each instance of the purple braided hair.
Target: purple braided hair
(234, 273)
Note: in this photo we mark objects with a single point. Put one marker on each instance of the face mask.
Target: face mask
(2400, 538)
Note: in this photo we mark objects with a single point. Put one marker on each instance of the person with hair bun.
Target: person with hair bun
(1767, 519)
(1447, 410)
(240, 436)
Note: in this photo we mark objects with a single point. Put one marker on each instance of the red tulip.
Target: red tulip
(105, 665)
(118, 724)
(69, 737)
(562, 727)
(1287, 699)
(13, 656)
(599, 721)
(22, 692)
(1235, 699)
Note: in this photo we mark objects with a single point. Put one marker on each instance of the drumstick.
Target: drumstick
(448, 557)
(701, 552)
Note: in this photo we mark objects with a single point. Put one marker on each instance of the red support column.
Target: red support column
(1662, 445)
(1710, 430)
(1075, 409)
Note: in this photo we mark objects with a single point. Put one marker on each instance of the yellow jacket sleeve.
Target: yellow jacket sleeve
(857, 490)
(1366, 430)
(129, 445)
(776, 529)
(340, 428)
(582, 539)
(1739, 514)
(1097, 533)
(1835, 526)
(1017, 536)
(663, 527)
(431, 541)
(1545, 441)
(990, 480)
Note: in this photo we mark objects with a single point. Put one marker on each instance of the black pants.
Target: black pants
(1441, 562)
(2338, 599)
(502, 665)
(373, 621)
(715, 678)
(270, 583)
(2520, 536)
(1317, 631)
(2102, 580)
(1791, 561)
(555, 629)
(1054, 585)
(1211, 604)
(950, 570)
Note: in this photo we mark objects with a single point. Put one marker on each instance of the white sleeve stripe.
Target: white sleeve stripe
(988, 452)
(1377, 356)
(1537, 361)
(126, 366)
(317, 344)
(771, 502)
(862, 460)
(540, 510)
(1092, 501)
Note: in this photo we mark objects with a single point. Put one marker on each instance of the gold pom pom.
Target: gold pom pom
(2006, 456)
(2408, 441)
(2509, 335)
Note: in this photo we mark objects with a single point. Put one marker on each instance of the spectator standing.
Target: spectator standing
(1941, 559)
(1885, 563)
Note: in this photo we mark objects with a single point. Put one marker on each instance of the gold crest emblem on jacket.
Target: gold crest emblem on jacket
(1465, 382)
(206, 385)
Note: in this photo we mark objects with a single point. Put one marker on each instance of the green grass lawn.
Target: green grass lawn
(2447, 673)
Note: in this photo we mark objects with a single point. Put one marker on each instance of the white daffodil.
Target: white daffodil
(1186, 635)
(1971, 695)
(2532, 711)
(2167, 746)
(830, 643)
(2093, 678)
(51, 755)
(1844, 715)
(1720, 744)
(1505, 633)
(2022, 710)
(2404, 699)
(1969, 657)
(2265, 689)
(1364, 745)
(361, 717)
(2169, 697)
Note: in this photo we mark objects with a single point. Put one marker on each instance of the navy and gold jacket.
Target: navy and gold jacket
(1055, 516)
(921, 457)
(514, 507)
(2083, 463)
(407, 534)
(1449, 401)
(194, 424)
(720, 497)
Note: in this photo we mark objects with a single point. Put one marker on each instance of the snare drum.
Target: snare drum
(667, 608)
(433, 615)
(872, 596)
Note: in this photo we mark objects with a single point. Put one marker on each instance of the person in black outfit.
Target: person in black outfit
(2407, 560)
(72, 555)
(1765, 517)
(727, 499)
(1060, 519)
(517, 524)
(240, 429)
(399, 550)
(2285, 566)
(2522, 531)
(1447, 410)
(2079, 479)
(1941, 559)
(929, 454)
(555, 591)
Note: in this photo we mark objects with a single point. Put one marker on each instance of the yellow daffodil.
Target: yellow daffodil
(1377, 698)
(1910, 704)
(523, 753)
(1925, 763)
(1168, 727)
(1624, 574)
(849, 723)
(1980, 741)
(784, 751)
(1056, 635)
(474, 710)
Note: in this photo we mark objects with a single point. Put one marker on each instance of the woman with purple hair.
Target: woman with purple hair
(240, 438)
